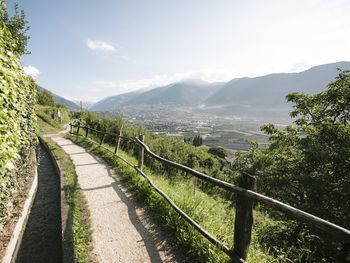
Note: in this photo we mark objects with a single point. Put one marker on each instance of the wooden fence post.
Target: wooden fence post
(71, 128)
(117, 141)
(243, 220)
(78, 129)
(103, 137)
(141, 153)
(86, 131)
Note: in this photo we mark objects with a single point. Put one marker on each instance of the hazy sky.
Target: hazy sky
(90, 49)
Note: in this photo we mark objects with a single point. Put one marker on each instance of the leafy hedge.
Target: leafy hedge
(17, 121)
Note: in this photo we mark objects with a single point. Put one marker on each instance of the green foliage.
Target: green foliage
(197, 141)
(215, 214)
(45, 98)
(17, 118)
(18, 26)
(266, 232)
(307, 164)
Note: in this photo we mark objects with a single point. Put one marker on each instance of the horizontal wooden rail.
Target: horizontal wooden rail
(107, 133)
(337, 232)
(207, 235)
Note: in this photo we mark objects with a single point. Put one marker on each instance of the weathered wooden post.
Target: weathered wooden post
(103, 137)
(71, 128)
(117, 141)
(78, 129)
(141, 152)
(81, 111)
(86, 131)
(243, 220)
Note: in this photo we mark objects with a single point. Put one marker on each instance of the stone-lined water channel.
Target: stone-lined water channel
(42, 237)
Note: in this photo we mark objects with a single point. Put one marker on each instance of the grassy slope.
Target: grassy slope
(214, 214)
(46, 124)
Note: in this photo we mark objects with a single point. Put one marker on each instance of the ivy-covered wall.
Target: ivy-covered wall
(17, 125)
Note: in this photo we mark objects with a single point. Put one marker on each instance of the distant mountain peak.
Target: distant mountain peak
(266, 94)
(263, 95)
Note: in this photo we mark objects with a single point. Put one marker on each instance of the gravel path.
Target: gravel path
(122, 231)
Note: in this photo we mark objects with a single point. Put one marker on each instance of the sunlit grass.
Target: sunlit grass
(213, 213)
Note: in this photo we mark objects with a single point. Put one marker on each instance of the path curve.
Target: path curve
(122, 231)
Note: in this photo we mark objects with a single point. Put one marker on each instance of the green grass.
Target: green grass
(213, 213)
(81, 226)
(46, 124)
(45, 128)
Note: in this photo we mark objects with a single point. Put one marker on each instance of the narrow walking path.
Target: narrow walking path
(122, 231)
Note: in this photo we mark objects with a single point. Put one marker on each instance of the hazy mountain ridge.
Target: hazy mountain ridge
(258, 96)
(113, 103)
(271, 89)
(184, 93)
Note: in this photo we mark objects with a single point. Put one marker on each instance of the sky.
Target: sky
(91, 49)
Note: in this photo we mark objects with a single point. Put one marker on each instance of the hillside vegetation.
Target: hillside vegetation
(305, 165)
(47, 113)
(214, 213)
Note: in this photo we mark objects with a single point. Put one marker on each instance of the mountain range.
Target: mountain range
(258, 96)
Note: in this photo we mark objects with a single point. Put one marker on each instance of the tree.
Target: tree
(197, 141)
(18, 26)
(307, 164)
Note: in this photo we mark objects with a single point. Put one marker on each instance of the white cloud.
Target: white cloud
(31, 71)
(99, 45)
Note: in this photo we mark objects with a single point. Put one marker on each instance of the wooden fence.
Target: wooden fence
(246, 195)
